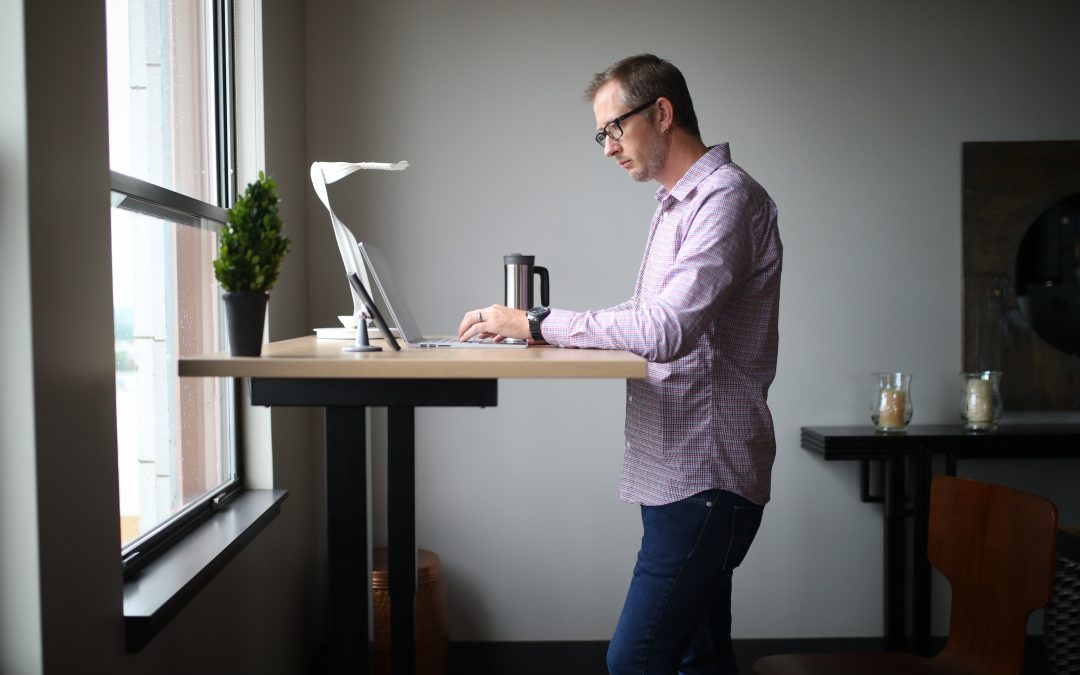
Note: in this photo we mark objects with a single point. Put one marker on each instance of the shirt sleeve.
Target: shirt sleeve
(714, 257)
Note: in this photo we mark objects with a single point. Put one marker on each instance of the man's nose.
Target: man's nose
(611, 146)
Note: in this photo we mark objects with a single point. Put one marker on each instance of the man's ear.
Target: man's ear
(666, 116)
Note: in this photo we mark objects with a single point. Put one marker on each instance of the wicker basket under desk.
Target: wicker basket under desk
(1061, 623)
(432, 636)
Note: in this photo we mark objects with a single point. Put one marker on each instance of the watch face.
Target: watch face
(539, 313)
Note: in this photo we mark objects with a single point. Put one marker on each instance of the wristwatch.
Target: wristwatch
(536, 315)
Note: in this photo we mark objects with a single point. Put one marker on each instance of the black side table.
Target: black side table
(903, 463)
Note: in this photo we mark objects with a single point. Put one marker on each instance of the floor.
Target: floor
(587, 658)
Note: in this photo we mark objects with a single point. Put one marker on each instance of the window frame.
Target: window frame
(149, 199)
(225, 100)
(152, 200)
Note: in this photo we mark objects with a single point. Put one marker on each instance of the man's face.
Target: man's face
(642, 149)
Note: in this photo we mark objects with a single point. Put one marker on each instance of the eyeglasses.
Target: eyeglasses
(613, 129)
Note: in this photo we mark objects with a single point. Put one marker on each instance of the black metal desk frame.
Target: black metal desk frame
(345, 402)
(905, 467)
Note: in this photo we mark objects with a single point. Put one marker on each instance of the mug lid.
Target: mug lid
(518, 259)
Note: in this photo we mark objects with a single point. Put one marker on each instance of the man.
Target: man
(699, 435)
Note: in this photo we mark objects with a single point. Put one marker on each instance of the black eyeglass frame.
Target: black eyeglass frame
(604, 134)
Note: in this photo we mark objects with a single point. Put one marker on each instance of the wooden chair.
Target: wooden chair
(995, 545)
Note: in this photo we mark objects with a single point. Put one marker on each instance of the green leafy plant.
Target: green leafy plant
(251, 246)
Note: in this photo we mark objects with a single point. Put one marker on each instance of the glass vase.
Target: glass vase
(980, 400)
(890, 403)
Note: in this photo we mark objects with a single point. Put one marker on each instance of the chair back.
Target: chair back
(996, 546)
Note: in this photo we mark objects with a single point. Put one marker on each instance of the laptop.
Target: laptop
(403, 318)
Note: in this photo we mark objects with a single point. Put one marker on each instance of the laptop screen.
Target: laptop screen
(395, 304)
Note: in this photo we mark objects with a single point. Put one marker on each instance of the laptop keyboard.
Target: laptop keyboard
(449, 341)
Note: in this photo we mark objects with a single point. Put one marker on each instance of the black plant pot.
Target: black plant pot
(245, 314)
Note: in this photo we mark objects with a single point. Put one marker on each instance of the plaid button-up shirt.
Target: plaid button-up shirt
(704, 314)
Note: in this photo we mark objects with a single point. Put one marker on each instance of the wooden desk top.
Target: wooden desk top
(309, 357)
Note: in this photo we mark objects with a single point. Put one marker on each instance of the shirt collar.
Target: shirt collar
(716, 157)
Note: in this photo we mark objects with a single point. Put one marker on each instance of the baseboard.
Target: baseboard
(528, 658)
(588, 657)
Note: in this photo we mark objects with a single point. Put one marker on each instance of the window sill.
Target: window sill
(160, 590)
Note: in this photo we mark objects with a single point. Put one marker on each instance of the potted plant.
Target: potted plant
(250, 252)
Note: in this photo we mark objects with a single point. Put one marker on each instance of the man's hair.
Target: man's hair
(644, 78)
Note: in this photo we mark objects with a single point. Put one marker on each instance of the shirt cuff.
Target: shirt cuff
(556, 326)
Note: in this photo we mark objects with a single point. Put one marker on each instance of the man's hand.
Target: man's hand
(496, 321)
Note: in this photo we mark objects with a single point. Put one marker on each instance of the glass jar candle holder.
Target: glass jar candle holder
(980, 400)
(890, 403)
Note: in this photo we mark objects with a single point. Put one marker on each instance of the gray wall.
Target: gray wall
(73, 388)
(851, 114)
(20, 612)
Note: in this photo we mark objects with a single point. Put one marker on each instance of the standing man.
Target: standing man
(699, 435)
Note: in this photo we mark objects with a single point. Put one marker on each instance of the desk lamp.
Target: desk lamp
(324, 173)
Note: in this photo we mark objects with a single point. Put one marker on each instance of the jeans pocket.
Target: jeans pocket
(745, 520)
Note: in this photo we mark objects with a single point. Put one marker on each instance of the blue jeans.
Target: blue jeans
(677, 616)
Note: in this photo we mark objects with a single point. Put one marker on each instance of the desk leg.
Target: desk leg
(920, 558)
(895, 555)
(347, 540)
(401, 535)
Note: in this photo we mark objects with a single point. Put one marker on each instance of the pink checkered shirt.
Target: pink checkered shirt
(704, 314)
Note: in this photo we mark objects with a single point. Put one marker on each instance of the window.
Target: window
(171, 152)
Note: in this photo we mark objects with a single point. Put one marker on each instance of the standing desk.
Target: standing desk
(905, 462)
(317, 373)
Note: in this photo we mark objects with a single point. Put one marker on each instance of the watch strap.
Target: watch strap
(536, 316)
